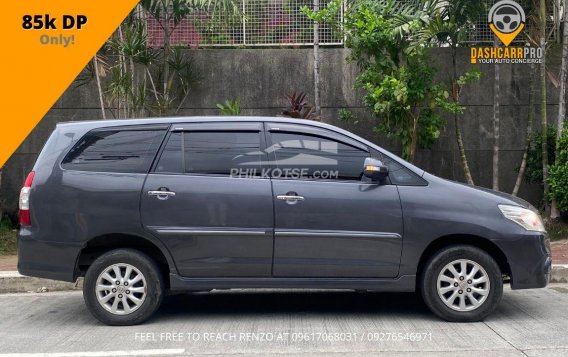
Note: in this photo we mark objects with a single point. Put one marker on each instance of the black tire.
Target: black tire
(429, 283)
(154, 284)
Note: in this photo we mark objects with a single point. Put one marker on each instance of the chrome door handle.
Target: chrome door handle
(290, 198)
(161, 195)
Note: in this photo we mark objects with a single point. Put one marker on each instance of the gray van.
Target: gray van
(145, 206)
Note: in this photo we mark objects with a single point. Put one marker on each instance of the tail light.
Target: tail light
(25, 217)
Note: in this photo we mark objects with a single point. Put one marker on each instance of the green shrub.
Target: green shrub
(533, 173)
(347, 116)
(558, 175)
(231, 107)
(7, 237)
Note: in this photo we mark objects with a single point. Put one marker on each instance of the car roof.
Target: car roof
(190, 119)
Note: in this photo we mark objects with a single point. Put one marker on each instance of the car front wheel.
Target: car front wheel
(461, 284)
(123, 287)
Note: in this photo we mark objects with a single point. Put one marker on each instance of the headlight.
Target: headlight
(526, 218)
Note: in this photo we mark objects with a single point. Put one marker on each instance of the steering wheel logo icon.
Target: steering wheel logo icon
(506, 19)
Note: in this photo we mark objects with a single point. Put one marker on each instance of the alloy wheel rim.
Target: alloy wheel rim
(121, 289)
(463, 285)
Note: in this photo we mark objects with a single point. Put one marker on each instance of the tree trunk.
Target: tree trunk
(413, 138)
(123, 70)
(98, 78)
(563, 75)
(133, 88)
(554, 213)
(523, 167)
(496, 123)
(543, 119)
(317, 103)
(166, 70)
(459, 139)
(463, 157)
(165, 59)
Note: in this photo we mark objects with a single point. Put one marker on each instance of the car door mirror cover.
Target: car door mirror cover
(375, 169)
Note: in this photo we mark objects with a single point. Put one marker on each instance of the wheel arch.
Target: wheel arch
(102, 244)
(464, 239)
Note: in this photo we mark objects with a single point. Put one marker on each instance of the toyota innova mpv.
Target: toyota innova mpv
(145, 206)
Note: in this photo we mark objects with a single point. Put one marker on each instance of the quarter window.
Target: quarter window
(128, 151)
(315, 157)
(398, 174)
(213, 153)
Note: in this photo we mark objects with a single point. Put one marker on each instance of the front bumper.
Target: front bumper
(529, 259)
(43, 259)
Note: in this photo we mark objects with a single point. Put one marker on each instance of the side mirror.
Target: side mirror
(375, 169)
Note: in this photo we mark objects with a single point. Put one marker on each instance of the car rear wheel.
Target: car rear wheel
(123, 287)
(461, 284)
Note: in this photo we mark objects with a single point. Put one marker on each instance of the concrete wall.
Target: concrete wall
(261, 78)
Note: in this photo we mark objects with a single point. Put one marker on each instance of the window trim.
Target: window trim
(252, 127)
(314, 131)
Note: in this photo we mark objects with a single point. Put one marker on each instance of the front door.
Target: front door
(330, 221)
(215, 223)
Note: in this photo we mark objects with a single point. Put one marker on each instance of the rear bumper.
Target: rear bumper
(49, 260)
(529, 259)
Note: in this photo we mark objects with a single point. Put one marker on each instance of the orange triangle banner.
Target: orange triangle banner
(46, 44)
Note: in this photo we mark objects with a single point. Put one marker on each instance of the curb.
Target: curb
(559, 273)
(14, 282)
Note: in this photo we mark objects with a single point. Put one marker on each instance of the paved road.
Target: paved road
(527, 323)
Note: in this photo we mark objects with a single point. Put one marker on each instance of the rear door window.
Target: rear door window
(115, 150)
(235, 153)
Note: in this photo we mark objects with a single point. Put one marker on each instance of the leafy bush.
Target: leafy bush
(557, 230)
(230, 107)
(347, 116)
(558, 175)
(533, 174)
(7, 237)
(298, 107)
(387, 39)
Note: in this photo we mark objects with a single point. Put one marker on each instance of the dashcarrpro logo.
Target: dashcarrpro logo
(506, 20)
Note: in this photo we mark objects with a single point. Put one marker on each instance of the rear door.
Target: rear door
(330, 221)
(206, 200)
